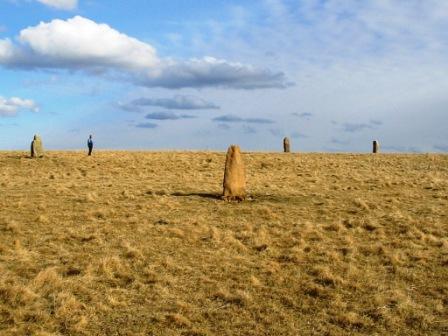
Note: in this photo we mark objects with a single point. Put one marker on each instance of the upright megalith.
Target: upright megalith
(234, 175)
(286, 145)
(376, 146)
(37, 149)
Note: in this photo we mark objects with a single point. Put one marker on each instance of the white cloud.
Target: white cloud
(10, 106)
(80, 43)
(76, 43)
(60, 4)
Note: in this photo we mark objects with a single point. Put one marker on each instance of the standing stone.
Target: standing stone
(376, 146)
(286, 145)
(234, 175)
(37, 149)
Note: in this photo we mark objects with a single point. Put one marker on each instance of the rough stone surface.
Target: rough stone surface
(286, 145)
(37, 149)
(376, 146)
(234, 175)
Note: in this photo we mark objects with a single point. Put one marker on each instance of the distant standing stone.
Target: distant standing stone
(376, 146)
(37, 149)
(286, 145)
(234, 175)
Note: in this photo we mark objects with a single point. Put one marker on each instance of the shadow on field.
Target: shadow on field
(271, 198)
(249, 198)
(199, 194)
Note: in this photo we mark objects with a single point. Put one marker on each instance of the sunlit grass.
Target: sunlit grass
(135, 243)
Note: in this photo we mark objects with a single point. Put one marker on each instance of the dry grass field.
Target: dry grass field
(139, 243)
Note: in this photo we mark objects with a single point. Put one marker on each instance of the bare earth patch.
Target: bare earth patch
(326, 244)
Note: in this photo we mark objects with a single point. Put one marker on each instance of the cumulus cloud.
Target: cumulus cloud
(77, 43)
(168, 116)
(229, 118)
(60, 4)
(179, 102)
(11, 106)
(82, 44)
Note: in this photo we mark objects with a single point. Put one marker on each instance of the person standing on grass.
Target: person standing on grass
(90, 144)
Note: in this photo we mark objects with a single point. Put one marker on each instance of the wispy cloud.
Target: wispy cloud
(229, 118)
(82, 44)
(259, 121)
(60, 4)
(249, 130)
(223, 126)
(376, 122)
(357, 127)
(9, 107)
(168, 116)
(442, 148)
(304, 115)
(338, 141)
(178, 102)
(146, 125)
(298, 135)
(74, 130)
(276, 132)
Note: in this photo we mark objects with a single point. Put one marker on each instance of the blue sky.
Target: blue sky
(331, 75)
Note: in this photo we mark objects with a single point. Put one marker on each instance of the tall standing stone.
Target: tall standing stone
(37, 149)
(286, 145)
(376, 146)
(234, 175)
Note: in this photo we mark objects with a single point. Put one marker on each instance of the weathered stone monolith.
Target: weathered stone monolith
(376, 146)
(286, 145)
(234, 175)
(37, 149)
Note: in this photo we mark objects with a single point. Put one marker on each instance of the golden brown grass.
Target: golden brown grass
(134, 243)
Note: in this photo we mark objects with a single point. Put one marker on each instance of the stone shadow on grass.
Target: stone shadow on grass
(199, 194)
(249, 198)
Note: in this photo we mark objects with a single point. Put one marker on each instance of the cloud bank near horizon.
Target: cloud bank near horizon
(82, 44)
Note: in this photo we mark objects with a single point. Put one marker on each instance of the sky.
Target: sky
(332, 75)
